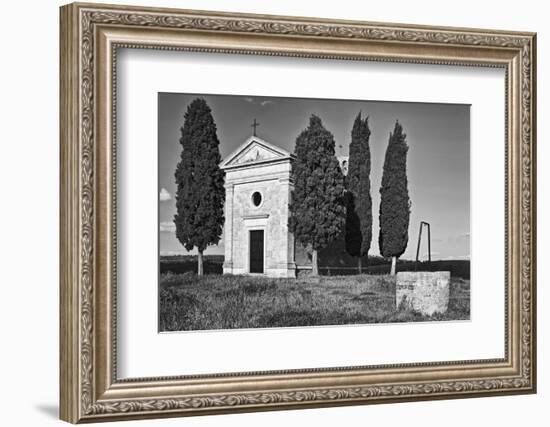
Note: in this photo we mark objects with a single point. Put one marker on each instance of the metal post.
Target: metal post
(427, 224)
(429, 243)
(419, 237)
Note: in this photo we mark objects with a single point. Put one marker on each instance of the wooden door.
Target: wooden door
(256, 251)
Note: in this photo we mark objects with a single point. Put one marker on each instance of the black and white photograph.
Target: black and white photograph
(289, 212)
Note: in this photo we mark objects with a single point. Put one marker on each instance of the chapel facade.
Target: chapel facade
(258, 185)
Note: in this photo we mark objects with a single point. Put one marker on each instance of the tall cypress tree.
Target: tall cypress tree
(200, 192)
(317, 211)
(395, 205)
(358, 198)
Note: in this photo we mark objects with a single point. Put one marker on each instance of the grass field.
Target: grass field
(214, 301)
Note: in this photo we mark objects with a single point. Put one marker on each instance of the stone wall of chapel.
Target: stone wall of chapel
(258, 172)
(273, 206)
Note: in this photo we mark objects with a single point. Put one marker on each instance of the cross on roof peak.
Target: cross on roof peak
(254, 125)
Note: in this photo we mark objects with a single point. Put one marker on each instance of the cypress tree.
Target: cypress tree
(395, 205)
(200, 192)
(317, 211)
(358, 198)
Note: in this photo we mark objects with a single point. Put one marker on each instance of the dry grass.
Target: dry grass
(188, 302)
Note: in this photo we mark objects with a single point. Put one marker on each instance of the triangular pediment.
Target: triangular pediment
(254, 150)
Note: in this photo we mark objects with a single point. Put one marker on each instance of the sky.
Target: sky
(438, 162)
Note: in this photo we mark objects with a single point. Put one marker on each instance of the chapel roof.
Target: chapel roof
(255, 150)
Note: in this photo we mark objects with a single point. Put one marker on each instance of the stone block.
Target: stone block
(423, 291)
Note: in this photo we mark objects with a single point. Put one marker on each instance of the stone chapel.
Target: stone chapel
(258, 185)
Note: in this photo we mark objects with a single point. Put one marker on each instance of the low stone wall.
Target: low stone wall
(423, 291)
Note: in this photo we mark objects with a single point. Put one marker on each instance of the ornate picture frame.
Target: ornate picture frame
(90, 37)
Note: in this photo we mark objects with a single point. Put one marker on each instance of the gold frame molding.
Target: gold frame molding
(90, 36)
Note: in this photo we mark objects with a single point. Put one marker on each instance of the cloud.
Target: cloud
(252, 100)
(164, 195)
(167, 226)
(172, 253)
(456, 257)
